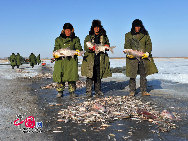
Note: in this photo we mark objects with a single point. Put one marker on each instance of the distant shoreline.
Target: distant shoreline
(124, 58)
(153, 57)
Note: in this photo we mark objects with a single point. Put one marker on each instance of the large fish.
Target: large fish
(167, 114)
(65, 52)
(99, 48)
(137, 54)
(146, 114)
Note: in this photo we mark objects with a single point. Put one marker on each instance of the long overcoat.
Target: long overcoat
(88, 60)
(18, 60)
(32, 59)
(66, 69)
(143, 43)
(12, 60)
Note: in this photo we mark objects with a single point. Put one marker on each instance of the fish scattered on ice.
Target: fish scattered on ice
(79, 84)
(98, 47)
(112, 108)
(167, 114)
(146, 114)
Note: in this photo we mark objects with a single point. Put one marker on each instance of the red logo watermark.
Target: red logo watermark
(30, 124)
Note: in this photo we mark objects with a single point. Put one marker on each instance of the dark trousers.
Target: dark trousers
(143, 80)
(95, 78)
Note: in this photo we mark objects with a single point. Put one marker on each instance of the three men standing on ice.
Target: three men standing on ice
(96, 66)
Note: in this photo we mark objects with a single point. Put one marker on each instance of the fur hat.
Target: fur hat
(138, 23)
(68, 26)
(96, 23)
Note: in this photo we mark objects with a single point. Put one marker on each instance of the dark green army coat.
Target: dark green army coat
(18, 60)
(88, 60)
(12, 60)
(142, 43)
(38, 59)
(66, 69)
(32, 59)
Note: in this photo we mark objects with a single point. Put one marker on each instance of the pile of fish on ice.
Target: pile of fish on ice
(112, 108)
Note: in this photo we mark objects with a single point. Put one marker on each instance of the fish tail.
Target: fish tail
(111, 49)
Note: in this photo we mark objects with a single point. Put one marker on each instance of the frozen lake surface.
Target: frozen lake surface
(168, 88)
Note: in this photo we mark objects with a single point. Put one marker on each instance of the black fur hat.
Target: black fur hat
(138, 23)
(97, 23)
(68, 26)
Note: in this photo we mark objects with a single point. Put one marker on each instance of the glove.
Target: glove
(55, 55)
(106, 49)
(130, 56)
(77, 52)
(145, 55)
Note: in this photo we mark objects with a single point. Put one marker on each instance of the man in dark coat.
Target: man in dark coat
(66, 69)
(95, 66)
(139, 39)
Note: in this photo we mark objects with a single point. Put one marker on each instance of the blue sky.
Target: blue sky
(32, 25)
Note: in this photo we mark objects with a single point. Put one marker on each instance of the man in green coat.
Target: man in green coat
(139, 39)
(66, 69)
(95, 66)
(18, 60)
(32, 60)
(12, 60)
(38, 59)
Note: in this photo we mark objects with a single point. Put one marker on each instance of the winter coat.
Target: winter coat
(38, 59)
(142, 43)
(66, 69)
(89, 56)
(32, 59)
(18, 60)
(12, 60)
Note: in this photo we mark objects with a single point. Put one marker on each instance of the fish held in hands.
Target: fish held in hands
(65, 52)
(99, 48)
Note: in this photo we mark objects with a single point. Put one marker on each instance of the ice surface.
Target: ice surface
(171, 69)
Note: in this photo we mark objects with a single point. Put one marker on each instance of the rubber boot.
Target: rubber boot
(72, 94)
(145, 94)
(132, 93)
(89, 83)
(59, 94)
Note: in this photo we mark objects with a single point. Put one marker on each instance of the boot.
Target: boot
(59, 94)
(132, 93)
(72, 94)
(99, 93)
(89, 83)
(145, 94)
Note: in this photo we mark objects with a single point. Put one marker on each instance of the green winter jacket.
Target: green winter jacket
(12, 60)
(66, 69)
(88, 60)
(18, 60)
(38, 59)
(32, 59)
(142, 43)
